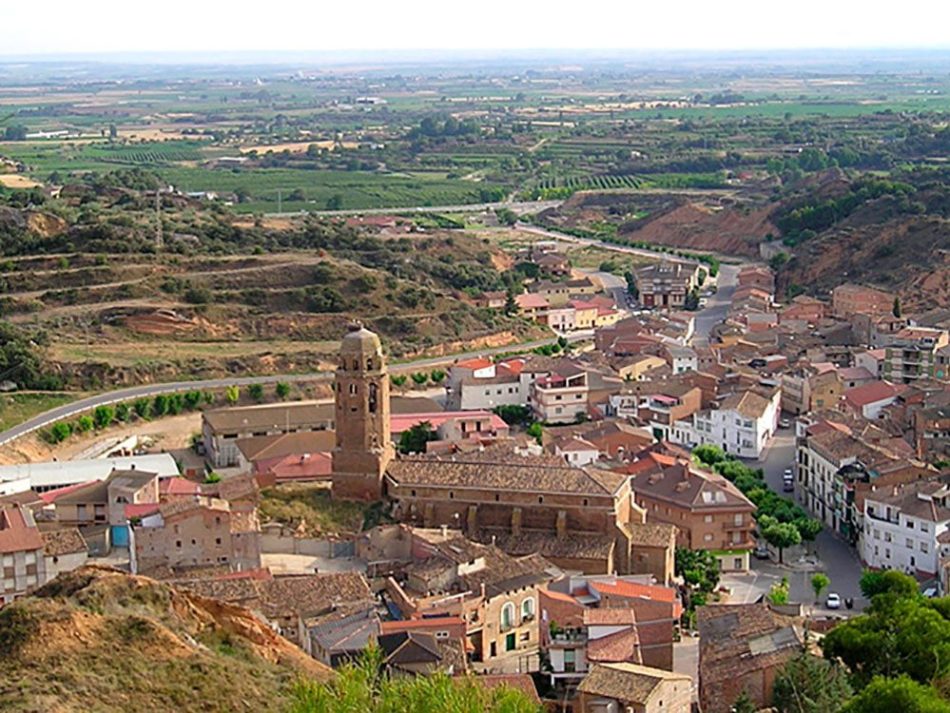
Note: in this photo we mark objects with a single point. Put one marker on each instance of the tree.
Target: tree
(632, 289)
(896, 309)
(781, 535)
(535, 431)
(60, 431)
(113, 132)
(192, 399)
(123, 412)
(212, 478)
(160, 405)
(419, 377)
(437, 376)
(709, 454)
(890, 582)
(778, 594)
(398, 380)
(335, 202)
(514, 414)
(889, 695)
(232, 394)
(103, 416)
(142, 408)
(511, 307)
(414, 439)
(364, 686)
(256, 392)
(282, 390)
(700, 571)
(819, 582)
(83, 424)
(808, 528)
(808, 684)
(896, 635)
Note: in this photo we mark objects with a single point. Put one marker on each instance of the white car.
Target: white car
(833, 601)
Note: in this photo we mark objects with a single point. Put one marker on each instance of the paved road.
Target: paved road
(836, 558)
(555, 235)
(717, 305)
(148, 390)
(518, 207)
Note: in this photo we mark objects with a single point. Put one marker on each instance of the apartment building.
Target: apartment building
(708, 512)
(561, 396)
(913, 354)
(903, 525)
(665, 284)
(741, 426)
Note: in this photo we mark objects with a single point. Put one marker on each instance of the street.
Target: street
(717, 305)
(834, 556)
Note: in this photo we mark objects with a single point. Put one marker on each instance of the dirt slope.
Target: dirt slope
(98, 639)
(730, 230)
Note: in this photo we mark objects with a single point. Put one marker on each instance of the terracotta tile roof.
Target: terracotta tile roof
(403, 422)
(51, 496)
(618, 647)
(178, 486)
(63, 542)
(651, 534)
(748, 403)
(310, 466)
(627, 682)
(690, 487)
(737, 639)
(474, 364)
(610, 617)
(530, 300)
(18, 531)
(621, 588)
(496, 468)
(281, 445)
(577, 545)
(871, 392)
(390, 627)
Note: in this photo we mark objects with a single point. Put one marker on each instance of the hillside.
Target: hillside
(897, 240)
(98, 639)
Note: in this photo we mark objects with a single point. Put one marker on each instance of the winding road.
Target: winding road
(149, 390)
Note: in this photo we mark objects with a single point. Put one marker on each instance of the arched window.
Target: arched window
(527, 608)
(373, 397)
(356, 365)
(507, 616)
(369, 364)
(353, 389)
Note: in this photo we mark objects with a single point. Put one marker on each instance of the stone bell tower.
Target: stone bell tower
(363, 444)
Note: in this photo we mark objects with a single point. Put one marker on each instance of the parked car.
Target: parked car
(788, 481)
(761, 552)
(833, 601)
(784, 423)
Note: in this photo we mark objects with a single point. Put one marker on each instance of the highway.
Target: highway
(150, 390)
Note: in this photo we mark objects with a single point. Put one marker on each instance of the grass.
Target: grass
(311, 505)
(17, 408)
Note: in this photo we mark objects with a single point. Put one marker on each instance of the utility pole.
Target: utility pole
(278, 200)
(159, 240)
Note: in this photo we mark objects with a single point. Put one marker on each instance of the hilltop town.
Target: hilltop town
(601, 397)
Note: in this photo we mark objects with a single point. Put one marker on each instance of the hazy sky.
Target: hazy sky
(67, 26)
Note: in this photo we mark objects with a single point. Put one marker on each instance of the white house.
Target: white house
(507, 383)
(577, 451)
(902, 525)
(682, 359)
(742, 425)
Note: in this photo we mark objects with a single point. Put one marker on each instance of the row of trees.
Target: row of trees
(145, 408)
(419, 378)
(781, 522)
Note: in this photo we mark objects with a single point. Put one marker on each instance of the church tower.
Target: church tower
(363, 442)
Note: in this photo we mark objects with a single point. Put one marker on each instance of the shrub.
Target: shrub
(103, 416)
(256, 392)
(83, 424)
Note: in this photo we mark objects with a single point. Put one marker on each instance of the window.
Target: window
(570, 660)
(217, 541)
(708, 537)
(510, 642)
(737, 520)
(441, 634)
(910, 524)
(737, 563)
(353, 389)
(507, 617)
(708, 518)
(923, 547)
(178, 544)
(540, 499)
(527, 609)
(910, 543)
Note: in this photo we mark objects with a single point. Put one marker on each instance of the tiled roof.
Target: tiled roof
(690, 487)
(736, 639)
(748, 403)
(285, 444)
(627, 682)
(620, 646)
(178, 486)
(496, 468)
(577, 545)
(621, 588)
(519, 681)
(871, 392)
(610, 617)
(18, 531)
(390, 627)
(651, 534)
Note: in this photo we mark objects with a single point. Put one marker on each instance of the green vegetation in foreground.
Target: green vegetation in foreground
(311, 507)
(19, 407)
(362, 687)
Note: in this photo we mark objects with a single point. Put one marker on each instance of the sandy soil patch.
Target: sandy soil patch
(17, 180)
(298, 146)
